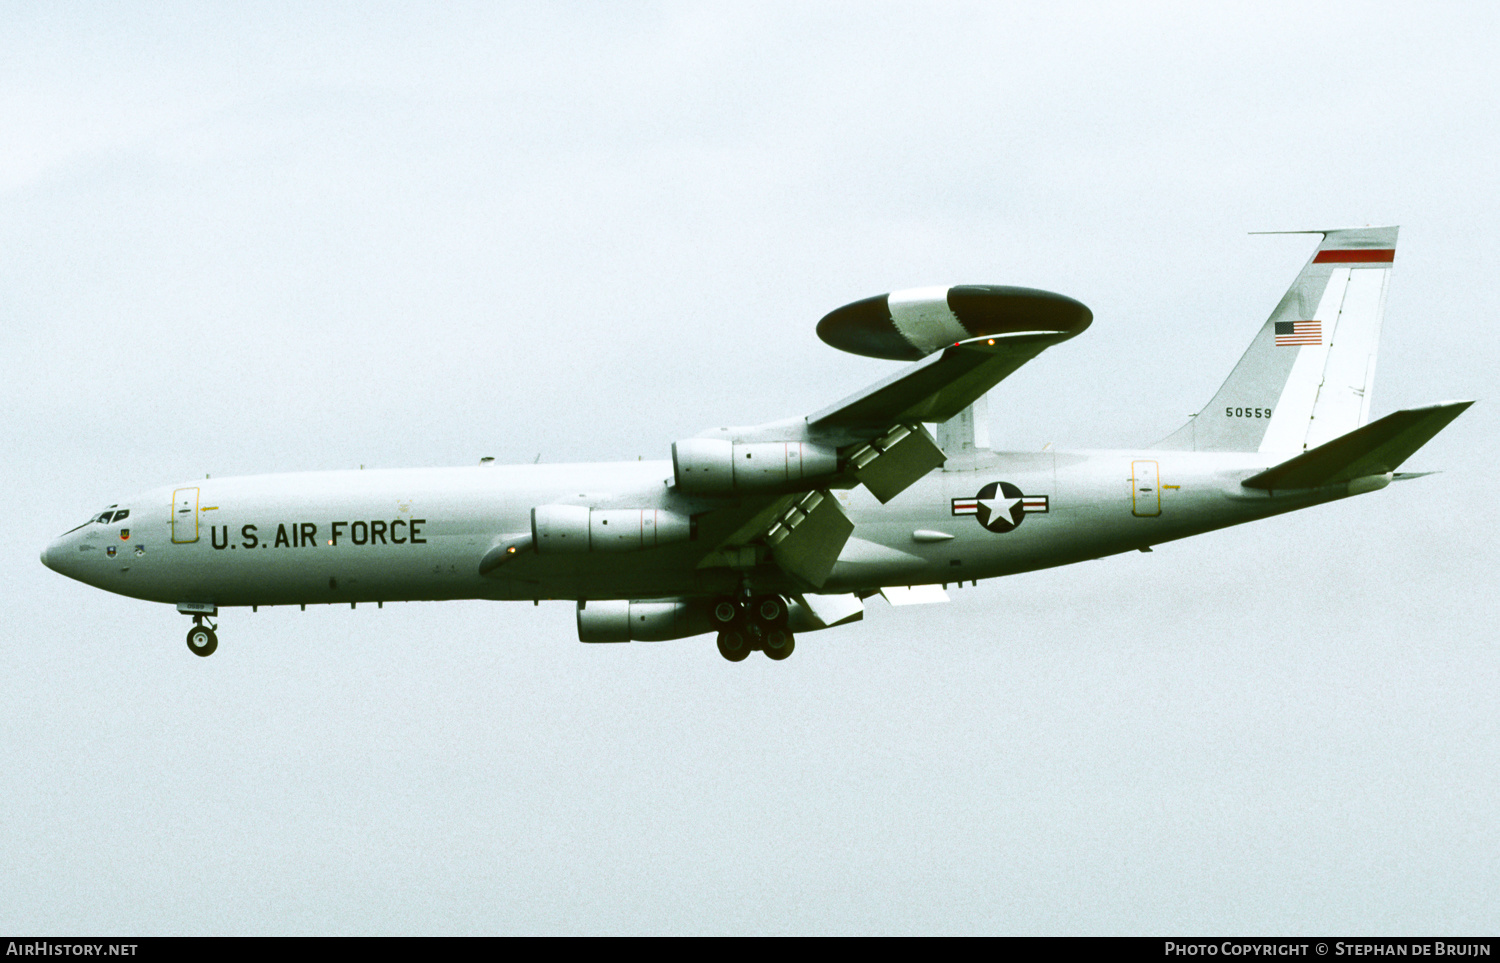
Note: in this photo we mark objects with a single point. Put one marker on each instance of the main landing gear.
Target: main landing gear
(201, 639)
(759, 622)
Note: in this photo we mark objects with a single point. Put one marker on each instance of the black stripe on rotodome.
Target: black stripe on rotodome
(865, 327)
(997, 309)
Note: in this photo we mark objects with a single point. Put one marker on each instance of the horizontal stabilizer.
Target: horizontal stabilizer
(1378, 448)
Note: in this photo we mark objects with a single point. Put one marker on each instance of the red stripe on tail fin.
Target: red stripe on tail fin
(1365, 256)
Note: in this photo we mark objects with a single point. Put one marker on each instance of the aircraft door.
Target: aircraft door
(1145, 490)
(185, 515)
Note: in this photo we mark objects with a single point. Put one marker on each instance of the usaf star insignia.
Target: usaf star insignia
(1000, 506)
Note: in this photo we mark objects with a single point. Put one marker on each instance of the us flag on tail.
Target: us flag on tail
(1299, 332)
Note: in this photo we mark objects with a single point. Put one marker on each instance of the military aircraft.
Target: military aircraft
(761, 533)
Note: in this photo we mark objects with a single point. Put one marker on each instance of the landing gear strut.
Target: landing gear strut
(757, 622)
(201, 639)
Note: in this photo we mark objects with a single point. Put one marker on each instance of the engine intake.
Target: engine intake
(713, 466)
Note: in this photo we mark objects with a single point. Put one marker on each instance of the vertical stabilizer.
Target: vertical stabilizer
(1306, 377)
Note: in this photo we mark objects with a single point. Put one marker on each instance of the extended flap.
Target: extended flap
(914, 594)
(808, 537)
(809, 612)
(896, 460)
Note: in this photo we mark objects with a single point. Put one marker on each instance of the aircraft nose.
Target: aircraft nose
(55, 557)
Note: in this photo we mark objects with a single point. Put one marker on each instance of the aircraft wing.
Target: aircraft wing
(969, 338)
(804, 532)
(934, 389)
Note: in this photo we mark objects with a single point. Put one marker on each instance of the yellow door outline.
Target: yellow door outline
(1145, 489)
(185, 515)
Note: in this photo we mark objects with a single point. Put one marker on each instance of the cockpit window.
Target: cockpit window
(103, 518)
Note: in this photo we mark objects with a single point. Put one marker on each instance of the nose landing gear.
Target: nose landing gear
(201, 639)
(759, 622)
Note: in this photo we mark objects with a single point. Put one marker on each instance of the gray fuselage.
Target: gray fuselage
(419, 534)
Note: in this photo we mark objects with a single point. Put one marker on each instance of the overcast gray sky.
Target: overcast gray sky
(248, 238)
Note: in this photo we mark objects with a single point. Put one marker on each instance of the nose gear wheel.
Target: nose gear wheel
(201, 639)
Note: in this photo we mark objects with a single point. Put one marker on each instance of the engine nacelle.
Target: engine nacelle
(576, 529)
(620, 621)
(713, 466)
